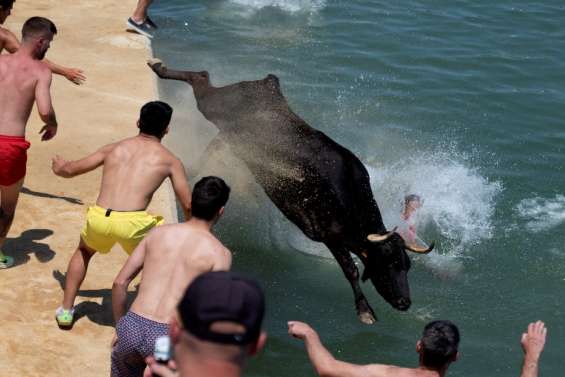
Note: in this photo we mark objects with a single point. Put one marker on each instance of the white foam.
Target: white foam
(542, 213)
(291, 6)
(458, 202)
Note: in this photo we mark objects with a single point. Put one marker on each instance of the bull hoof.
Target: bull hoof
(154, 63)
(367, 318)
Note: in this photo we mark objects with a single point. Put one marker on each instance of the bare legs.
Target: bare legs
(76, 271)
(140, 12)
(8, 200)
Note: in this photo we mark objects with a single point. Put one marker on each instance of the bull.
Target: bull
(316, 183)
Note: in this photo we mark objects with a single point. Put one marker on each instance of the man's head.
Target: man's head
(38, 33)
(5, 9)
(220, 316)
(209, 196)
(154, 118)
(439, 344)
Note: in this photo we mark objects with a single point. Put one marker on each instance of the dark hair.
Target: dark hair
(38, 26)
(154, 118)
(208, 196)
(6, 4)
(410, 198)
(440, 342)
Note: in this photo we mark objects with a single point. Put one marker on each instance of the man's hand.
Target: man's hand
(57, 164)
(48, 131)
(156, 369)
(300, 330)
(533, 341)
(74, 75)
(114, 340)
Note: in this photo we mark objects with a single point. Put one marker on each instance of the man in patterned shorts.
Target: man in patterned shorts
(171, 256)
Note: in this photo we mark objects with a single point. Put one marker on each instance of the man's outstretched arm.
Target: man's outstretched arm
(69, 169)
(323, 361)
(74, 75)
(533, 342)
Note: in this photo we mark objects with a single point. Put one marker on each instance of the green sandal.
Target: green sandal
(64, 317)
(6, 261)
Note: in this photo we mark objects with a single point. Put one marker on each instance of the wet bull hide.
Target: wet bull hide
(319, 185)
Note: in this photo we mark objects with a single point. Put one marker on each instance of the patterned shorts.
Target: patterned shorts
(136, 341)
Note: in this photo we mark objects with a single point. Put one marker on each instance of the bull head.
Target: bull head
(387, 265)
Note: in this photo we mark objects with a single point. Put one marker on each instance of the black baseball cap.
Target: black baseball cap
(223, 296)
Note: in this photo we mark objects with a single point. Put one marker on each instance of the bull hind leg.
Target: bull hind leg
(364, 311)
(165, 73)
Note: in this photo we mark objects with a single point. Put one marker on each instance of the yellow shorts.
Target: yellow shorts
(101, 232)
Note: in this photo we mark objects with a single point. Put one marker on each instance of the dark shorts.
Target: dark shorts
(136, 341)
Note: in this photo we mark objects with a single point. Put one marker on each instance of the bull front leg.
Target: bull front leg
(364, 311)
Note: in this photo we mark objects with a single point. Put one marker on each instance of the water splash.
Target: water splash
(292, 6)
(542, 213)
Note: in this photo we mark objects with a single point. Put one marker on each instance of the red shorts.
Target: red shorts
(13, 158)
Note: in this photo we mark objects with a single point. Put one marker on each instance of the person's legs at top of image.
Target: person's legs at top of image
(140, 21)
(76, 271)
(8, 200)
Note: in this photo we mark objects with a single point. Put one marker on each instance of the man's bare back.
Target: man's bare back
(174, 256)
(23, 80)
(133, 170)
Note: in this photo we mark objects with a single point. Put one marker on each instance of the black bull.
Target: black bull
(319, 185)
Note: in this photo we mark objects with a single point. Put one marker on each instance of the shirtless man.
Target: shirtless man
(437, 349)
(9, 42)
(23, 81)
(171, 257)
(134, 169)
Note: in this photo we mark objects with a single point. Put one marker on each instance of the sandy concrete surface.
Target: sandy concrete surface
(51, 210)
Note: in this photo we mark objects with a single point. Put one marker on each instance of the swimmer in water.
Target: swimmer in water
(407, 227)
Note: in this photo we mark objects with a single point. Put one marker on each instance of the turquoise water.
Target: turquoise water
(458, 101)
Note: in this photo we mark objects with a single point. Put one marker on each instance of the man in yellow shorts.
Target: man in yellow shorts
(133, 169)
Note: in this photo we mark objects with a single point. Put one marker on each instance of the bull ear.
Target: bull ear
(381, 237)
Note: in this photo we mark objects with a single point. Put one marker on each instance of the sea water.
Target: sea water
(460, 102)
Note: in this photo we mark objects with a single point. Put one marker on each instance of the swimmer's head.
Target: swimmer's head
(38, 33)
(5, 9)
(412, 199)
(154, 118)
(439, 344)
(209, 196)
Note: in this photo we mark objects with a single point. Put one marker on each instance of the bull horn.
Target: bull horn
(380, 237)
(420, 250)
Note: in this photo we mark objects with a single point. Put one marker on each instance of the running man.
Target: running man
(133, 170)
(407, 226)
(171, 257)
(9, 42)
(23, 81)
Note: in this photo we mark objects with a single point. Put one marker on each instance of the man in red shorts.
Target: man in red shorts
(24, 79)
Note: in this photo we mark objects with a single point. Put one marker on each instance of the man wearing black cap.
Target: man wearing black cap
(218, 326)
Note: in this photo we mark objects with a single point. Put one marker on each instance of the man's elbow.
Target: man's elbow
(120, 284)
(325, 371)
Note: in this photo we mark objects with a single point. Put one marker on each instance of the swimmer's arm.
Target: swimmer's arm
(131, 269)
(69, 169)
(324, 363)
(181, 187)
